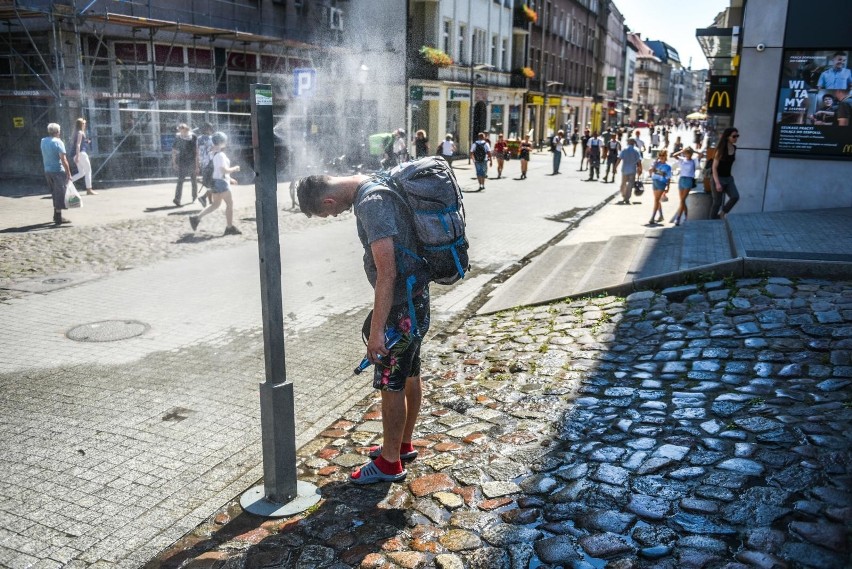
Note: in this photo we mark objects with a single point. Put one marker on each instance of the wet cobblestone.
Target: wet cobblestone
(563, 436)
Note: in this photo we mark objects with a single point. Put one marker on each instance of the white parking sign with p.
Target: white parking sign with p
(304, 81)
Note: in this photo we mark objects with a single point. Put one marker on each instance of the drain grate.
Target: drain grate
(107, 331)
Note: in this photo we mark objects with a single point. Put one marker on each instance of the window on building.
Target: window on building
(495, 55)
(462, 50)
(448, 37)
(504, 55)
(479, 54)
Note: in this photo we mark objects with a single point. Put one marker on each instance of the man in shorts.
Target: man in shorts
(480, 153)
(383, 231)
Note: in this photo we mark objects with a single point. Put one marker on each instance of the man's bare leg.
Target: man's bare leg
(393, 423)
(413, 399)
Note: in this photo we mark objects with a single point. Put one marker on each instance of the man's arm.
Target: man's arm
(383, 256)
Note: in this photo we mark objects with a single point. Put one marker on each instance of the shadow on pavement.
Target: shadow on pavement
(27, 228)
(196, 238)
(358, 519)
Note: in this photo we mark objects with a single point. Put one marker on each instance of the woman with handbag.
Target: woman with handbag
(661, 177)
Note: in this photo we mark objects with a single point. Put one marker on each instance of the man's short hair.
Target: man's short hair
(631, 140)
(53, 129)
(310, 191)
(840, 53)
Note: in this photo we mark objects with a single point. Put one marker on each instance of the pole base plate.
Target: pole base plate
(254, 501)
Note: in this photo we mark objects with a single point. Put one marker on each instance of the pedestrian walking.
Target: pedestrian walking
(593, 149)
(640, 144)
(524, 151)
(57, 171)
(501, 151)
(81, 145)
(185, 161)
(631, 166)
(613, 151)
(205, 155)
(400, 148)
(685, 181)
(558, 148)
(584, 142)
(661, 177)
(447, 148)
(480, 153)
(655, 138)
(575, 138)
(678, 146)
(383, 229)
(421, 144)
(221, 190)
(723, 181)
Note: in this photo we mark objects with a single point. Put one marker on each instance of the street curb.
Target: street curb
(739, 267)
(479, 301)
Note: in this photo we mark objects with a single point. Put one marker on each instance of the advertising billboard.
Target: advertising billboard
(813, 108)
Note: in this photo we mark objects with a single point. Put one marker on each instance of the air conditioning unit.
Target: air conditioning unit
(335, 18)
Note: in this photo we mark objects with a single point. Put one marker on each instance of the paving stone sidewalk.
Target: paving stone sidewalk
(705, 427)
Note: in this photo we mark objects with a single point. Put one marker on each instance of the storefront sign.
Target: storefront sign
(721, 95)
(18, 122)
(535, 99)
(458, 94)
(813, 107)
(421, 93)
(610, 83)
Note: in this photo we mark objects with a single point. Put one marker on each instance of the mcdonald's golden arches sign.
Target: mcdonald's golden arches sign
(720, 99)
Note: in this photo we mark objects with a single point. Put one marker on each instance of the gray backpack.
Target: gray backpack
(433, 198)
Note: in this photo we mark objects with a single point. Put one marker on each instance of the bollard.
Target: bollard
(281, 494)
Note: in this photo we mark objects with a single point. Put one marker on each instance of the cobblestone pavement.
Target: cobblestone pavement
(704, 426)
(122, 245)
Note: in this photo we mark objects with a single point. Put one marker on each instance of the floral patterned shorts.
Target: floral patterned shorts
(404, 358)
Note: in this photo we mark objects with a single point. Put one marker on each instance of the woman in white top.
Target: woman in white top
(447, 148)
(221, 190)
(686, 182)
(80, 146)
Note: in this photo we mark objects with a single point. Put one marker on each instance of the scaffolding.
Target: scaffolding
(136, 69)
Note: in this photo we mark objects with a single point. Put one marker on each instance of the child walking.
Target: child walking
(661, 177)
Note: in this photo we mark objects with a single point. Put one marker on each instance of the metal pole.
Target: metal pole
(470, 126)
(281, 494)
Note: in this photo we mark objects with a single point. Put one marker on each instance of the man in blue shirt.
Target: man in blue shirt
(56, 170)
(631, 162)
(838, 75)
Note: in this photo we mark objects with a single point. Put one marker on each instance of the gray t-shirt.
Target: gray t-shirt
(381, 215)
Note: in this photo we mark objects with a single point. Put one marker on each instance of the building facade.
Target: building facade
(769, 57)
(464, 66)
(136, 70)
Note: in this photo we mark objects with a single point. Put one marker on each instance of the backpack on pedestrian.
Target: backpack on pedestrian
(207, 174)
(432, 197)
(479, 152)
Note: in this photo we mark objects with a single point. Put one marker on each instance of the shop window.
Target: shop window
(126, 53)
(168, 55)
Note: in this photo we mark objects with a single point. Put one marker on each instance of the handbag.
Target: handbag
(72, 197)
(638, 188)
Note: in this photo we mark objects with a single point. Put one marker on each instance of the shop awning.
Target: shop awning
(720, 47)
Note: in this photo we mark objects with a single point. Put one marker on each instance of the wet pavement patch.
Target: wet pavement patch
(107, 331)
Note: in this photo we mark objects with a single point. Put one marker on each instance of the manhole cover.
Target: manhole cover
(107, 331)
(56, 281)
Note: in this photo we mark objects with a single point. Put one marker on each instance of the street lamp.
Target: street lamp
(474, 67)
(544, 110)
